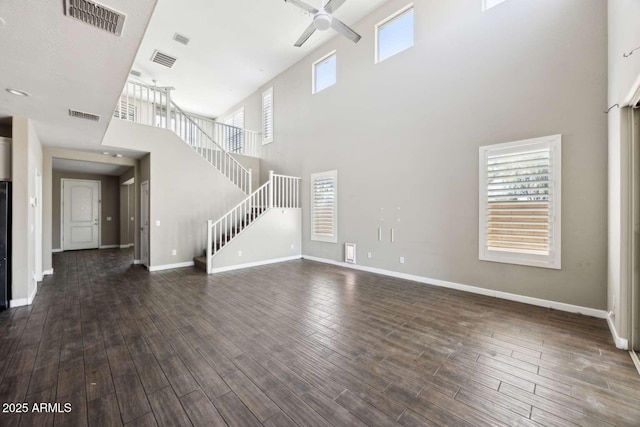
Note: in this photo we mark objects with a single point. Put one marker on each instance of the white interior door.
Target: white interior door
(81, 214)
(144, 223)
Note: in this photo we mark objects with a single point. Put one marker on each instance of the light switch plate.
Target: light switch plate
(158, 223)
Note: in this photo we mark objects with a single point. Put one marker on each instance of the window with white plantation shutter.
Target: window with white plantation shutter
(324, 206)
(267, 116)
(520, 202)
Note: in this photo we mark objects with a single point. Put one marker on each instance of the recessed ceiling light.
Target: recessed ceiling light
(18, 92)
(106, 153)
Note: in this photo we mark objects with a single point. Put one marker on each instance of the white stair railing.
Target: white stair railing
(237, 140)
(152, 105)
(280, 191)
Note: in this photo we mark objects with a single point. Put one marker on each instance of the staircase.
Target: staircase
(282, 192)
(215, 142)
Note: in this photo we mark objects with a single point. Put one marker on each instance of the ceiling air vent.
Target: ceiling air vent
(181, 39)
(82, 115)
(96, 15)
(135, 73)
(163, 59)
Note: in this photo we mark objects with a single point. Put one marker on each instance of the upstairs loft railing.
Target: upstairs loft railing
(152, 105)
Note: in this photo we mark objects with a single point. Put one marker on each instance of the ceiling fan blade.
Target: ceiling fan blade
(302, 5)
(305, 36)
(333, 5)
(340, 27)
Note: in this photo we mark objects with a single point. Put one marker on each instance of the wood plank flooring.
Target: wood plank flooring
(299, 343)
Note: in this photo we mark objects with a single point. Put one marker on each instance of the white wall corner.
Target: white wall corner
(592, 312)
(621, 343)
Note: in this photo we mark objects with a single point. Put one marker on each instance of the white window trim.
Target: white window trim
(485, 5)
(321, 237)
(313, 72)
(268, 140)
(386, 21)
(553, 260)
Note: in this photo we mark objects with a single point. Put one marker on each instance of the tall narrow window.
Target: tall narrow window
(488, 4)
(395, 34)
(324, 72)
(324, 206)
(520, 202)
(234, 135)
(267, 116)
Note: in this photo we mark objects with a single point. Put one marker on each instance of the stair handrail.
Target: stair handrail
(280, 191)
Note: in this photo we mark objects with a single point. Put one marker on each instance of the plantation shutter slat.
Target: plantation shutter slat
(519, 196)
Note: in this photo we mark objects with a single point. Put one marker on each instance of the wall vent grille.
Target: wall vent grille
(82, 115)
(96, 15)
(181, 38)
(163, 59)
(135, 73)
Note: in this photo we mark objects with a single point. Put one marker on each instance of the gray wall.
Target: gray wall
(26, 158)
(275, 235)
(110, 206)
(624, 35)
(185, 190)
(404, 136)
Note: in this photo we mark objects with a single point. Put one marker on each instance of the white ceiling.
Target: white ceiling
(79, 166)
(63, 64)
(236, 46)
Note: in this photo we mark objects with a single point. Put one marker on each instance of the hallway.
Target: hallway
(299, 343)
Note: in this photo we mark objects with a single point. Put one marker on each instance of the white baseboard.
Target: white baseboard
(47, 272)
(109, 246)
(130, 245)
(254, 264)
(53, 251)
(621, 343)
(24, 301)
(137, 261)
(601, 314)
(636, 360)
(171, 266)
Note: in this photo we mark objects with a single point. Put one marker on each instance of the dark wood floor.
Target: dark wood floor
(299, 343)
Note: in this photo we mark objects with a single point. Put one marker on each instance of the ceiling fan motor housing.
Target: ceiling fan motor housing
(322, 21)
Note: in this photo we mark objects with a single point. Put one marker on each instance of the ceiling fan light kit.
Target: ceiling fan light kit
(323, 19)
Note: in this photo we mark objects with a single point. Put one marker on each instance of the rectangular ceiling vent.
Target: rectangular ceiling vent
(96, 15)
(181, 39)
(82, 115)
(163, 59)
(135, 73)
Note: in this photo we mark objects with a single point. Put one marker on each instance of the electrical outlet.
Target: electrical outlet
(369, 255)
(133, 219)
(158, 223)
(401, 260)
(239, 253)
(108, 218)
(292, 246)
(174, 252)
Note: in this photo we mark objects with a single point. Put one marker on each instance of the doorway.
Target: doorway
(144, 223)
(80, 214)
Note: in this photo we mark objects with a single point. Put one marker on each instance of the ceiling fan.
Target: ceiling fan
(323, 20)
